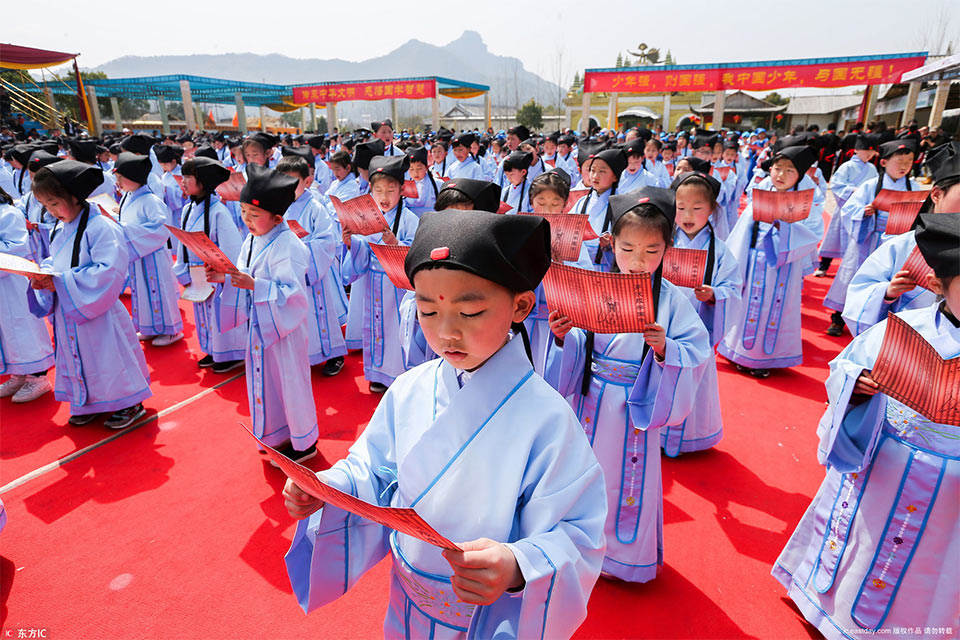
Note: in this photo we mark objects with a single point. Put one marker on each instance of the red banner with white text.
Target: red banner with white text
(408, 89)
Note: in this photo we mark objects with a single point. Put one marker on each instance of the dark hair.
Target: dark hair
(5, 198)
(697, 181)
(343, 159)
(250, 142)
(647, 217)
(655, 141)
(549, 181)
(189, 168)
(447, 198)
(46, 183)
(294, 164)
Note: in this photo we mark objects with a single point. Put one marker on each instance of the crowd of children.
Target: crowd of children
(474, 365)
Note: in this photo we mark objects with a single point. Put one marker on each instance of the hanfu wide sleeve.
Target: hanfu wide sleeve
(147, 234)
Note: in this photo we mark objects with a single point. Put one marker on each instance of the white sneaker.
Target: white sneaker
(163, 341)
(12, 385)
(142, 337)
(34, 387)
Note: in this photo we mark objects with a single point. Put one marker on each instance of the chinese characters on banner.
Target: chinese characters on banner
(685, 267)
(803, 73)
(392, 257)
(789, 206)
(600, 302)
(901, 217)
(409, 89)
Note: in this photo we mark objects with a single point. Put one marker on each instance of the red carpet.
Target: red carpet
(176, 529)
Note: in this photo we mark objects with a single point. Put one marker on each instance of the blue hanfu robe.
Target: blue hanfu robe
(631, 397)
(466, 169)
(21, 184)
(569, 164)
(153, 304)
(24, 342)
(595, 206)
(877, 550)
(446, 443)
(657, 172)
(441, 169)
(633, 181)
(703, 428)
(322, 174)
(865, 305)
(765, 331)
(173, 197)
(222, 346)
(814, 221)
(727, 199)
(844, 181)
(380, 327)
(275, 317)
(7, 183)
(345, 190)
(39, 236)
(427, 191)
(328, 304)
(865, 234)
(99, 363)
(517, 196)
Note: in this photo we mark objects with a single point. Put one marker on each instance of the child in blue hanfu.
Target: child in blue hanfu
(625, 386)
(269, 298)
(881, 284)
(100, 366)
(765, 332)
(526, 505)
(380, 326)
(877, 551)
(715, 301)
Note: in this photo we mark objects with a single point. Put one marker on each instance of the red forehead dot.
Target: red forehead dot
(255, 202)
(440, 253)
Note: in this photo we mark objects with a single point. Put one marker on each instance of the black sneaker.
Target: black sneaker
(297, 456)
(205, 361)
(835, 330)
(125, 417)
(86, 418)
(333, 366)
(223, 367)
(760, 373)
(377, 387)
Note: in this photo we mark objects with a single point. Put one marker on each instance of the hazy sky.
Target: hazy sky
(544, 35)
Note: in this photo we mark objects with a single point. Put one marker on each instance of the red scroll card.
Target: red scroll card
(402, 519)
(230, 190)
(409, 189)
(685, 267)
(179, 180)
(918, 267)
(887, 197)
(788, 206)
(600, 302)
(204, 248)
(573, 197)
(910, 370)
(391, 257)
(812, 172)
(901, 217)
(360, 216)
(297, 229)
(567, 233)
(503, 208)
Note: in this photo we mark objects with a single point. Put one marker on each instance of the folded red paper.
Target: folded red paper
(567, 233)
(409, 189)
(910, 370)
(887, 197)
(901, 217)
(685, 267)
(918, 267)
(360, 216)
(402, 519)
(787, 206)
(204, 248)
(297, 229)
(600, 302)
(230, 190)
(391, 257)
(575, 195)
